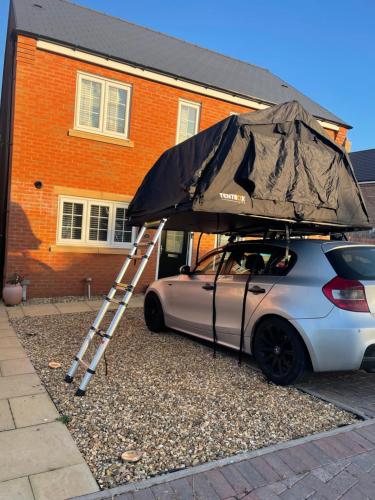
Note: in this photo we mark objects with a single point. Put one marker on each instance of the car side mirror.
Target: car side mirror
(185, 269)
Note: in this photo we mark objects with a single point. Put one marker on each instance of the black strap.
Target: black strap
(214, 334)
(243, 317)
(198, 247)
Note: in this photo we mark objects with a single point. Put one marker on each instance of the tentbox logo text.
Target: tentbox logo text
(235, 198)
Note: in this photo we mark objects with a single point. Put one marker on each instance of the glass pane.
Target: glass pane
(99, 217)
(123, 233)
(68, 208)
(192, 114)
(66, 232)
(245, 262)
(76, 233)
(116, 110)
(71, 221)
(174, 242)
(102, 235)
(127, 236)
(354, 262)
(188, 122)
(67, 220)
(78, 209)
(211, 263)
(118, 236)
(90, 99)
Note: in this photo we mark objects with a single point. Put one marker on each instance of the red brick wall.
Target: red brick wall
(45, 90)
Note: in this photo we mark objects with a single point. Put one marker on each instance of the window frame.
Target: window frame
(104, 82)
(197, 106)
(84, 241)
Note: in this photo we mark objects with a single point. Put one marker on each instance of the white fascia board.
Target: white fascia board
(158, 77)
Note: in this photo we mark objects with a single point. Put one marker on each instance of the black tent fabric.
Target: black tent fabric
(254, 171)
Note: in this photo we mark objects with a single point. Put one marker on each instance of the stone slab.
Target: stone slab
(40, 310)
(11, 353)
(15, 312)
(9, 342)
(16, 489)
(7, 333)
(20, 385)
(16, 367)
(36, 449)
(33, 410)
(95, 305)
(73, 307)
(4, 321)
(6, 420)
(63, 483)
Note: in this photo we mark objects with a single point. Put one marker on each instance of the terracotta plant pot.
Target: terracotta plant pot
(12, 294)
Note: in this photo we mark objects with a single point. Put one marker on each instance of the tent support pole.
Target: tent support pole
(218, 270)
(198, 247)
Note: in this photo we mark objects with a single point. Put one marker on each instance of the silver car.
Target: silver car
(311, 306)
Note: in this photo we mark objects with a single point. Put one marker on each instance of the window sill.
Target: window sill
(86, 249)
(100, 138)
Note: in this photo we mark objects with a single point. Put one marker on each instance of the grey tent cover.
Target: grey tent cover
(252, 171)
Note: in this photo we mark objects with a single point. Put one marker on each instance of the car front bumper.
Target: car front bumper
(342, 340)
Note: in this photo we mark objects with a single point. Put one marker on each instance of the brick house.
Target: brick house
(89, 102)
(364, 168)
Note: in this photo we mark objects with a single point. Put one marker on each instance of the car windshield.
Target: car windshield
(353, 262)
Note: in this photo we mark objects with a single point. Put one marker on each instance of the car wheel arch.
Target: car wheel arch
(277, 316)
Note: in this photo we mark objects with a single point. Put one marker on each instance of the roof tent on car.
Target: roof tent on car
(251, 172)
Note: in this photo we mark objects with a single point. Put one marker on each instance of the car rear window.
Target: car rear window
(353, 263)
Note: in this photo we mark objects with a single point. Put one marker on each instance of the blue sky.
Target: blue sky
(326, 49)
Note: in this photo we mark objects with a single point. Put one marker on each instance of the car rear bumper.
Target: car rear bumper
(340, 341)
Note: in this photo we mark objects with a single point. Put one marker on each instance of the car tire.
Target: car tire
(279, 351)
(153, 313)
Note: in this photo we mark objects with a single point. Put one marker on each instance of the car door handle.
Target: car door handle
(256, 289)
(207, 286)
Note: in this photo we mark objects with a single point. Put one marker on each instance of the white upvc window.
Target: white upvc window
(102, 106)
(188, 120)
(89, 222)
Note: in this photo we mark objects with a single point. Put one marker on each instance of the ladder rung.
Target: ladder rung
(81, 362)
(114, 301)
(135, 257)
(121, 286)
(143, 244)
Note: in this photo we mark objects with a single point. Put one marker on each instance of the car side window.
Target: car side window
(280, 264)
(260, 260)
(210, 264)
(248, 261)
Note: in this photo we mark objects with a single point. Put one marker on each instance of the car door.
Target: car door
(245, 259)
(191, 297)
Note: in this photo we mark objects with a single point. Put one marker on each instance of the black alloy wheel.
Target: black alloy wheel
(279, 351)
(153, 313)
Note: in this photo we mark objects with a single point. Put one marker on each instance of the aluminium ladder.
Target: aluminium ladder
(118, 286)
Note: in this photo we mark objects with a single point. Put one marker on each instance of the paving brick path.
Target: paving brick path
(38, 457)
(336, 465)
(351, 390)
(64, 307)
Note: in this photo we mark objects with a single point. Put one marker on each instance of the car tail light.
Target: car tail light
(346, 294)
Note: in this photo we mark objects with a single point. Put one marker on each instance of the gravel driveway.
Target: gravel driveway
(165, 395)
